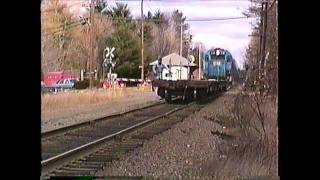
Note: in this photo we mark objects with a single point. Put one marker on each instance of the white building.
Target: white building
(178, 65)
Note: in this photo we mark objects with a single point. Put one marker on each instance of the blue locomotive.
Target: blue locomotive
(218, 64)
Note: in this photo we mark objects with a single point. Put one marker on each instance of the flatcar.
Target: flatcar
(218, 70)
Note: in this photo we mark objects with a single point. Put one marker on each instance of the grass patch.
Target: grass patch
(252, 152)
(62, 103)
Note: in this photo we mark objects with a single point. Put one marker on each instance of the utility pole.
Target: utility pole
(103, 66)
(142, 62)
(199, 61)
(264, 35)
(189, 44)
(277, 13)
(91, 41)
(260, 42)
(188, 47)
(181, 38)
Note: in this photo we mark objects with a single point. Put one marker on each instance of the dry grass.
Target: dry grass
(254, 149)
(71, 101)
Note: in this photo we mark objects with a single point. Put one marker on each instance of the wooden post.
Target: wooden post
(199, 62)
(142, 61)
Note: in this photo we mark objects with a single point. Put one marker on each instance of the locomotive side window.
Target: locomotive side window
(207, 58)
(228, 58)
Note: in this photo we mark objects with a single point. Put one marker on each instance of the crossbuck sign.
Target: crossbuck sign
(108, 60)
(108, 56)
(109, 52)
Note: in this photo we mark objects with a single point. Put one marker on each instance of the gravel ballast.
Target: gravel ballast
(179, 152)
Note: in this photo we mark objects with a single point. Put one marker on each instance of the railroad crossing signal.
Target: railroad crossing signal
(108, 60)
(108, 56)
(109, 52)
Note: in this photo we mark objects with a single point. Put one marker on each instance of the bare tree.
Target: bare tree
(164, 40)
(268, 83)
(55, 36)
(65, 40)
(79, 53)
(166, 33)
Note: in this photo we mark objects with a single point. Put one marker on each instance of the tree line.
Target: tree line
(262, 71)
(66, 46)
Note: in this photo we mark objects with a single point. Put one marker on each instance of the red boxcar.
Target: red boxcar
(52, 77)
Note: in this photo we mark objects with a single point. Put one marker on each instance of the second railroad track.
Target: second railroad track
(87, 149)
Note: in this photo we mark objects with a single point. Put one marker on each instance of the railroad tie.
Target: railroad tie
(89, 166)
(99, 158)
(70, 168)
(62, 172)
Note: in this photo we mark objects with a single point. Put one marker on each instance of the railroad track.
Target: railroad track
(85, 150)
(62, 146)
(64, 139)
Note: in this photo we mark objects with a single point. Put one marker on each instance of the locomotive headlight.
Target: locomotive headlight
(216, 63)
(217, 52)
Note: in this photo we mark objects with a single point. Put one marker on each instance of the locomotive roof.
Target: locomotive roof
(174, 59)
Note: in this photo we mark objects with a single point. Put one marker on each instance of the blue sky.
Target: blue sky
(229, 34)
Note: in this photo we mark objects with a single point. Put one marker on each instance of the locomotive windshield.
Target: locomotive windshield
(217, 57)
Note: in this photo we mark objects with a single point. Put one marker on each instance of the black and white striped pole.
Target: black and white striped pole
(108, 60)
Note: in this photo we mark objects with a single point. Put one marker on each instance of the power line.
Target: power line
(66, 28)
(182, 1)
(151, 10)
(199, 19)
(75, 24)
(220, 19)
(162, 6)
(64, 25)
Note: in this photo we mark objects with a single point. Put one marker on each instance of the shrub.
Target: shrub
(97, 83)
(85, 84)
(82, 84)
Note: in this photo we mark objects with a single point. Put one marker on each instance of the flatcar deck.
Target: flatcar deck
(188, 88)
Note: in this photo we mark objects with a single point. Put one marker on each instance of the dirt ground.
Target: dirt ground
(207, 145)
(70, 108)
